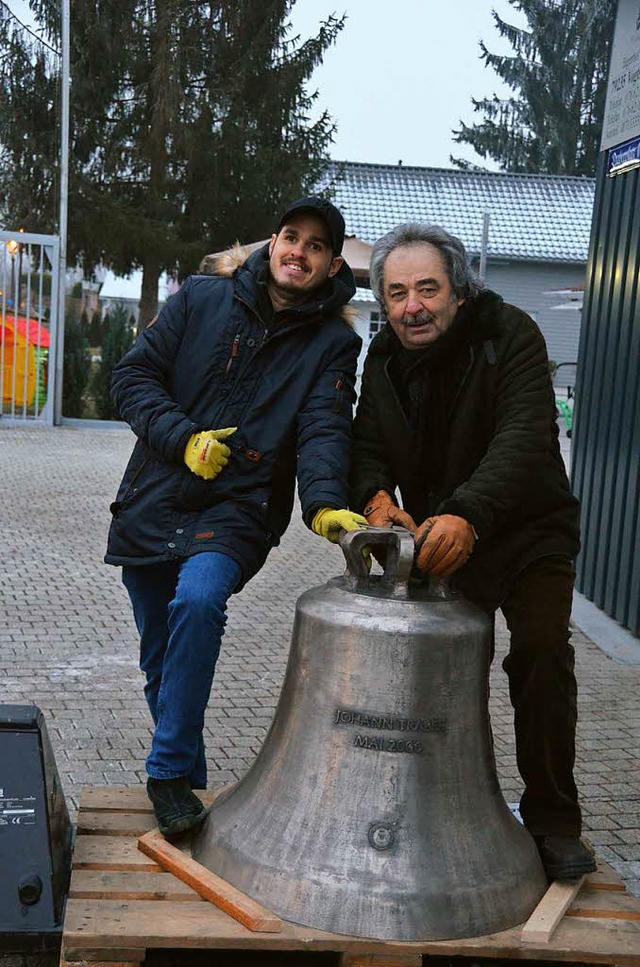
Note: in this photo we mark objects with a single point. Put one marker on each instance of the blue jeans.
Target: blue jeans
(180, 610)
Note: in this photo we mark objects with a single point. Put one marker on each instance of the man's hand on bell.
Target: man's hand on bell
(443, 544)
(382, 512)
(330, 523)
(205, 455)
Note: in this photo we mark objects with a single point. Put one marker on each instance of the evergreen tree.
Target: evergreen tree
(29, 93)
(189, 127)
(558, 70)
(76, 367)
(117, 339)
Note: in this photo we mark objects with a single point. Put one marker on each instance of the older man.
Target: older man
(243, 382)
(457, 413)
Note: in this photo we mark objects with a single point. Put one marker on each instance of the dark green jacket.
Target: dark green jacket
(502, 471)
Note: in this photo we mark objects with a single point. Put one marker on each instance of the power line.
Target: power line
(28, 29)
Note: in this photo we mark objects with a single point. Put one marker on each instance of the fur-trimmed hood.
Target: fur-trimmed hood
(227, 263)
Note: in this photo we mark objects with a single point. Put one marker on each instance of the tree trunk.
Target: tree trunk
(149, 292)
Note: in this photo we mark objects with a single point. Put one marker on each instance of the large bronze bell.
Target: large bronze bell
(373, 808)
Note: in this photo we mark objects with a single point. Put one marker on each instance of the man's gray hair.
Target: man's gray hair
(464, 281)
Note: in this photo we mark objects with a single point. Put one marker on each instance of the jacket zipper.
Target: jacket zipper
(235, 346)
(232, 355)
(133, 480)
(265, 335)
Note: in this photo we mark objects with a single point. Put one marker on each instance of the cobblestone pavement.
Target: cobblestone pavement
(68, 643)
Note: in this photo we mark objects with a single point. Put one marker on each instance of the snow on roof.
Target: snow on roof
(542, 218)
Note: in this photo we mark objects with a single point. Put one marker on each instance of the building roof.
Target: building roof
(541, 218)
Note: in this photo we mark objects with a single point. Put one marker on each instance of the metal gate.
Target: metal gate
(28, 325)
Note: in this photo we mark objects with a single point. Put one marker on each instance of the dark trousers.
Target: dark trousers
(543, 690)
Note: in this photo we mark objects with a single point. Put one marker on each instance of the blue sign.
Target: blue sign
(624, 157)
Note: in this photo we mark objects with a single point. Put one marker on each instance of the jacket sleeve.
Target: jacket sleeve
(522, 442)
(371, 470)
(324, 433)
(140, 382)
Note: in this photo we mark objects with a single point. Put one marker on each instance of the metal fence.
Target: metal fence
(28, 325)
(606, 438)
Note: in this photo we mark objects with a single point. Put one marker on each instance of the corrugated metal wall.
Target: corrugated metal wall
(606, 437)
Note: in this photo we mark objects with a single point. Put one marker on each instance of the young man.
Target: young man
(243, 383)
(457, 411)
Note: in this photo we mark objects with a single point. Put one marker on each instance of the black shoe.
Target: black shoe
(176, 808)
(565, 857)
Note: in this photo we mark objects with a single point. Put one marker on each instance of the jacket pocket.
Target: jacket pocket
(129, 489)
(195, 493)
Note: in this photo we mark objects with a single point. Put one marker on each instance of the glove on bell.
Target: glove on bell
(205, 455)
(443, 544)
(382, 512)
(328, 523)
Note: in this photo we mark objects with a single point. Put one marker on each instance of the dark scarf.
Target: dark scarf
(426, 381)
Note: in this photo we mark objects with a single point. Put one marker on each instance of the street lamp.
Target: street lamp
(12, 248)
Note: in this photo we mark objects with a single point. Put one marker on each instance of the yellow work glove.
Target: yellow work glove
(205, 455)
(328, 523)
(382, 512)
(443, 544)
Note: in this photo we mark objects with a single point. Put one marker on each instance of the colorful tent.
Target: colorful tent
(24, 349)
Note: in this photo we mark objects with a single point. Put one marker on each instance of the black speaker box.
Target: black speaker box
(35, 834)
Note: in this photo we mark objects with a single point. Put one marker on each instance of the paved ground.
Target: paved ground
(68, 643)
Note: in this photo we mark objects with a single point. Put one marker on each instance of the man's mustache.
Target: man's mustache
(420, 319)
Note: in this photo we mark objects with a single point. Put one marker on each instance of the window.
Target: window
(375, 324)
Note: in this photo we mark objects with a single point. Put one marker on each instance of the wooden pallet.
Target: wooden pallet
(121, 904)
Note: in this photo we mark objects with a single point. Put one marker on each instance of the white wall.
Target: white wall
(524, 284)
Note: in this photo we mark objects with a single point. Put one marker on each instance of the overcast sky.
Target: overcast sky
(402, 73)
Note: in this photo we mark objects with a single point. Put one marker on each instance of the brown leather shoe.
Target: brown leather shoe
(565, 857)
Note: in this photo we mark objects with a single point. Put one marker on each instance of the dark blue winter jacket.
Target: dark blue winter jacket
(209, 362)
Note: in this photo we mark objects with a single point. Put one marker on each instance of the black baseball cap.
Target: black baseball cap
(328, 212)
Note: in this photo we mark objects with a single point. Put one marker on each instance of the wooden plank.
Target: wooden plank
(110, 853)
(380, 960)
(118, 885)
(111, 923)
(596, 914)
(105, 923)
(114, 823)
(83, 962)
(605, 878)
(235, 903)
(130, 799)
(547, 915)
(601, 903)
(114, 956)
